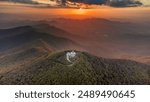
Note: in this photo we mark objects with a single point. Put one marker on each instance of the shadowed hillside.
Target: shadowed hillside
(20, 36)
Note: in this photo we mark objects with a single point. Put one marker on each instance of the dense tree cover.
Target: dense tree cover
(86, 69)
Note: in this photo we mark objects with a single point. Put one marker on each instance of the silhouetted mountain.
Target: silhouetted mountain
(53, 68)
(19, 36)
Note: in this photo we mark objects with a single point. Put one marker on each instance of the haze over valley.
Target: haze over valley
(111, 44)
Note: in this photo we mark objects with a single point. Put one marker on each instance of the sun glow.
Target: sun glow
(80, 11)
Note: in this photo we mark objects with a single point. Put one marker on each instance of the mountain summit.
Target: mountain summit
(54, 68)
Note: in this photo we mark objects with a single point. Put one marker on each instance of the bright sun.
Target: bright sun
(80, 11)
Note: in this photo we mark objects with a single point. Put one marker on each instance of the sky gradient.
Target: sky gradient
(145, 2)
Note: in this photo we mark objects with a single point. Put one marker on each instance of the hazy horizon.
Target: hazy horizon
(56, 45)
(128, 14)
(132, 20)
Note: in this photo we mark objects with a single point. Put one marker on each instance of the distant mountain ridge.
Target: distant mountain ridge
(19, 36)
(108, 38)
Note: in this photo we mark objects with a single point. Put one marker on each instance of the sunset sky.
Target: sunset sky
(30, 12)
(145, 2)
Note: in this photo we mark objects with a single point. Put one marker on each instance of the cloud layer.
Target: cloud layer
(22, 1)
(145, 2)
(124, 3)
(115, 3)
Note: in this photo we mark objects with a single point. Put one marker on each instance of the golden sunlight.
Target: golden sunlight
(80, 11)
